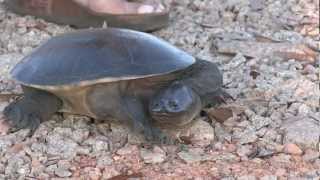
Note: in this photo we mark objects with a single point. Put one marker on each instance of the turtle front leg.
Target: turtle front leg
(142, 123)
(217, 97)
(33, 108)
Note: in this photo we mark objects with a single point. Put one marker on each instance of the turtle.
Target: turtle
(119, 74)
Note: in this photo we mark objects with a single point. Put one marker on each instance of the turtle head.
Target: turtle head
(176, 105)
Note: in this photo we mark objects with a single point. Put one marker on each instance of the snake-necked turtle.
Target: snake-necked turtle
(129, 76)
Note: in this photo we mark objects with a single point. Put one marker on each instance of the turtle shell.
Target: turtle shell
(99, 55)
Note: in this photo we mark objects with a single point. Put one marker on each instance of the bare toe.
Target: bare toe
(145, 9)
(121, 6)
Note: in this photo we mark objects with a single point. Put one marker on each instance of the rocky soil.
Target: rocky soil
(268, 51)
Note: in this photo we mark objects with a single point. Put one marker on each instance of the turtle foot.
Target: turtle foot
(20, 118)
(155, 135)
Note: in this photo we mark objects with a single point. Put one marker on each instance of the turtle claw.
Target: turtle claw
(34, 123)
(18, 119)
(165, 139)
(157, 136)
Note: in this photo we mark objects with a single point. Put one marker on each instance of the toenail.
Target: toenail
(145, 9)
(160, 8)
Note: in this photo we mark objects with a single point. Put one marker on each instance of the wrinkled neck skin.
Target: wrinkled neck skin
(205, 79)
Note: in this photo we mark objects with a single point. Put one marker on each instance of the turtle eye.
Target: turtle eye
(156, 107)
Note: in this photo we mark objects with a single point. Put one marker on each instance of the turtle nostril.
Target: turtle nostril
(156, 107)
(173, 104)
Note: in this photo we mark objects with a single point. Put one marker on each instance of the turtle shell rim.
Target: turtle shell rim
(96, 81)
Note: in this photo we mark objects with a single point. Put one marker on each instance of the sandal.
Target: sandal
(71, 13)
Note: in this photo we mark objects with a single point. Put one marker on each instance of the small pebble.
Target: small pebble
(281, 172)
(311, 155)
(309, 69)
(157, 155)
(292, 149)
(270, 177)
(61, 172)
(247, 177)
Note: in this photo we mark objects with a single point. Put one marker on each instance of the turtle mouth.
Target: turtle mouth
(164, 115)
(164, 118)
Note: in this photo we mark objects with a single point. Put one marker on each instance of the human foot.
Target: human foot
(121, 6)
(146, 16)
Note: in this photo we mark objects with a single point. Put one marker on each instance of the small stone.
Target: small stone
(17, 164)
(249, 113)
(37, 167)
(101, 145)
(225, 157)
(259, 122)
(104, 160)
(61, 172)
(248, 137)
(127, 150)
(309, 69)
(80, 135)
(317, 163)
(236, 61)
(247, 177)
(305, 88)
(64, 164)
(264, 152)
(303, 109)
(157, 155)
(256, 4)
(23, 170)
(228, 178)
(43, 176)
(190, 157)
(311, 155)
(281, 172)
(98, 144)
(282, 158)
(59, 144)
(17, 148)
(261, 132)
(271, 135)
(198, 155)
(269, 177)
(202, 133)
(109, 172)
(221, 133)
(93, 173)
(244, 150)
(218, 146)
(2, 168)
(116, 133)
(51, 168)
(313, 174)
(292, 149)
(230, 148)
(302, 131)
(228, 16)
(193, 134)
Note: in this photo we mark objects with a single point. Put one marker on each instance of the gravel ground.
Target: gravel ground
(269, 53)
